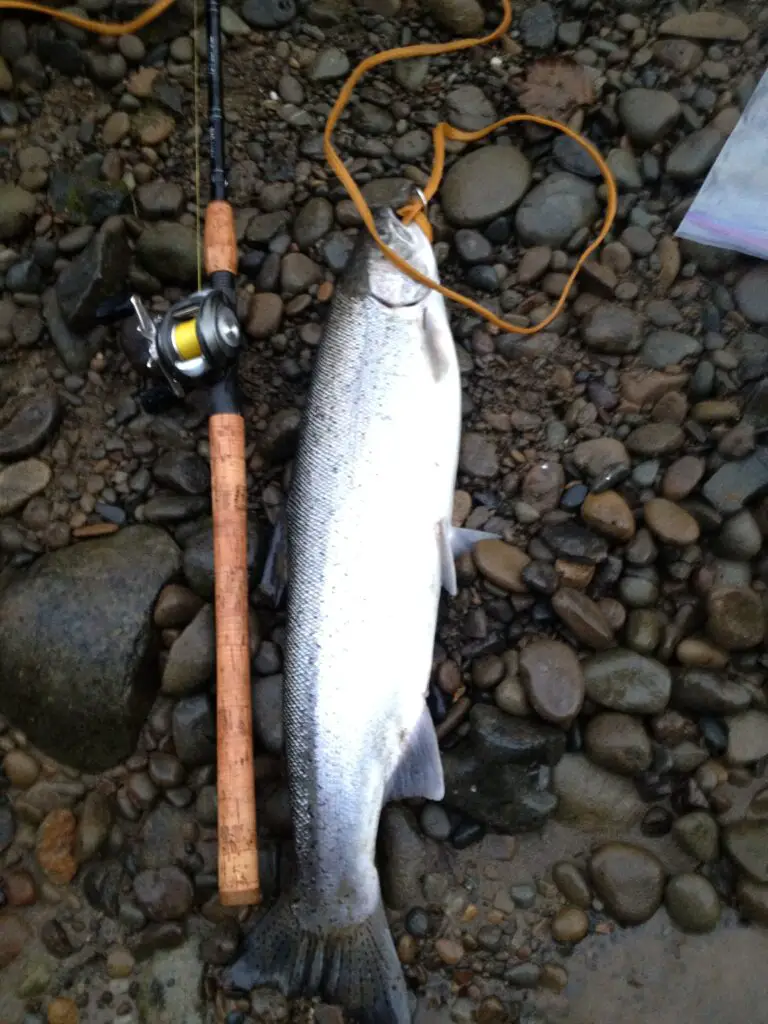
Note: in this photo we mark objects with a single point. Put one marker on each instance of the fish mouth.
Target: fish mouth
(386, 282)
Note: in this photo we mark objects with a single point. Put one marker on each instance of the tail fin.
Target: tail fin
(357, 968)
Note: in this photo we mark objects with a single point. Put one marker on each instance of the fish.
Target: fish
(368, 546)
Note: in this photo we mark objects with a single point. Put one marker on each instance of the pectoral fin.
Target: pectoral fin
(455, 541)
(420, 771)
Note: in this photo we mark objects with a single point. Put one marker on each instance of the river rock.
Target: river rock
(682, 477)
(751, 294)
(403, 858)
(75, 649)
(555, 210)
(573, 542)
(7, 825)
(584, 618)
(709, 692)
(499, 738)
(692, 903)
(465, 18)
(752, 898)
(609, 514)
(553, 680)
(592, 798)
(629, 880)
(570, 880)
(501, 564)
(21, 769)
(162, 836)
(697, 833)
(626, 681)
(93, 826)
(740, 538)
(19, 482)
(484, 184)
(164, 894)
(168, 250)
(655, 439)
(30, 426)
(706, 25)
(510, 800)
(17, 208)
(191, 660)
(268, 712)
(194, 731)
(747, 843)
(600, 455)
(736, 619)
(668, 348)
(95, 274)
(55, 846)
(619, 743)
(15, 934)
(692, 157)
(670, 523)
(648, 114)
(747, 737)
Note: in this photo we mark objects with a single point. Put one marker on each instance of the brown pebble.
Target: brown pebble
(682, 477)
(570, 924)
(614, 612)
(574, 574)
(715, 411)
(697, 652)
(21, 769)
(325, 292)
(449, 676)
(14, 936)
(407, 949)
(502, 564)
(553, 977)
(456, 714)
(583, 617)
(572, 883)
(120, 963)
(63, 1011)
(736, 619)
(94, 530)
(56, 844)
(19, 888)
(553, 680)
(609, 514)
(462, 506)
(449, 951)
(670, 523)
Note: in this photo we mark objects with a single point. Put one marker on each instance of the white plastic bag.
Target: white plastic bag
(731, 209)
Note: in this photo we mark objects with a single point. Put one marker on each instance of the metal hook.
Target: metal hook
(421, 197)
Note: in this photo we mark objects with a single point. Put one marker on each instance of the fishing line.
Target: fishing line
(415, 211)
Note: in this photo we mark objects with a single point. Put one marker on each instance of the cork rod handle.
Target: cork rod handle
(238, 849)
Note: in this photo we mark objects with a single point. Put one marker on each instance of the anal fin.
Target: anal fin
(420, 771)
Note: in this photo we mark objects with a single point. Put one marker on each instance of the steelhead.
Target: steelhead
(369, 543)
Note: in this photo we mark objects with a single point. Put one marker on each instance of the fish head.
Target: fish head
(374, 274)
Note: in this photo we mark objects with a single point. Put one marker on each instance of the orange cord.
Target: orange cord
(101, 28)
(413, 211)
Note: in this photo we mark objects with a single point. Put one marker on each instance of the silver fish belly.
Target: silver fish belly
(369, 545)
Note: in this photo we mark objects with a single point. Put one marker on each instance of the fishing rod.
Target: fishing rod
(196, 343)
